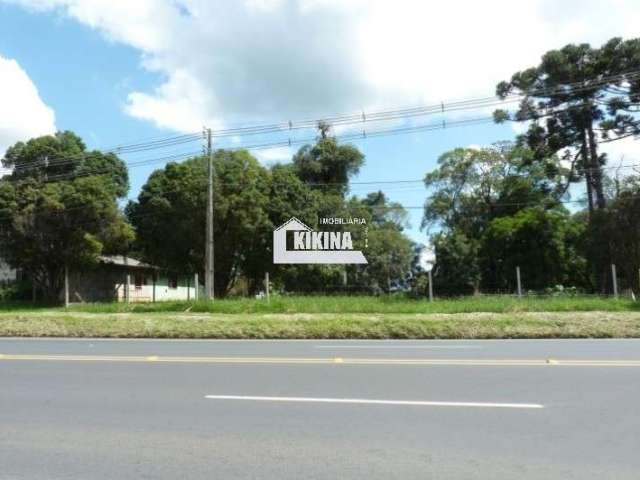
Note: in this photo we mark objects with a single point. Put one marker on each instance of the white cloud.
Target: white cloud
(273, 155)
(23, 114)
(228, 62)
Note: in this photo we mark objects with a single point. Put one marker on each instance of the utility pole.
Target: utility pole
(208, 268)
(66, 287)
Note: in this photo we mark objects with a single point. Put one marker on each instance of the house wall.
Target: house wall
(98, 285)
(144, 293)
(107, 283)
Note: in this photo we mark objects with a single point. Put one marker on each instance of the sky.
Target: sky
(120, 72)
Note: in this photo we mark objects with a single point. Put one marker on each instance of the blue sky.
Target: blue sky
(119, 74)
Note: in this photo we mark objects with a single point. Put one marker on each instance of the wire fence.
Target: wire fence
(427, 285)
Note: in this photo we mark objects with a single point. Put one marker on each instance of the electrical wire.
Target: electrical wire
(357, 118)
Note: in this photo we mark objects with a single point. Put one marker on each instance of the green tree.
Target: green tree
(58, 208)
(61, 156)
(328, 163)
(169, 216)
(290, 197)
(543, 243)
(484, 204)
(457, 270)
(574, 94)
(615, 235)
(389, 252)
(472, 186)
(322, 171)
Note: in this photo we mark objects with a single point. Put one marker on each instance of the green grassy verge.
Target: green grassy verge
(383, 304)
(327, 325)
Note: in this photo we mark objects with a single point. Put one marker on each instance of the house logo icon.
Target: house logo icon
(310, 246)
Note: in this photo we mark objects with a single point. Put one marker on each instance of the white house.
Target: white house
(120, 278)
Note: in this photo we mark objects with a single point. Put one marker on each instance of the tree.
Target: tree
(615, 235)
(574, 94)
(543, 243)
(472, 186)
(493, 207)
(169, 216)
(322, 172)
(457, 269)
(59, 208)
(64, 155)
(389, 252)
(289, 197)
(328, 163)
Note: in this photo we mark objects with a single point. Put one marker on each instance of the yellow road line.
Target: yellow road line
(324, 360)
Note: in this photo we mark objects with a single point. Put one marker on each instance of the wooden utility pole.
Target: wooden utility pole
(209, 266)
(519, 282)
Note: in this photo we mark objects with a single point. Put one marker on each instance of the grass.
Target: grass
(334, 317)
(368, 304)
(323, 325)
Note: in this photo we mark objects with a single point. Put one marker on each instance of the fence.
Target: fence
(619, 286)
(431, 287)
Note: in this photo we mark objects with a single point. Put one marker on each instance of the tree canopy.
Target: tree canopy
(169, 216)
(577, 97)
(250, 201)
(327, 162)
(58, 208)
(494, 210)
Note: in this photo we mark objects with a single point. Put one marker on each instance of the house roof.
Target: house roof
(122, 261)
(293, 224)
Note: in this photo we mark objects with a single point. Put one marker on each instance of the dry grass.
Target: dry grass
(323, 325)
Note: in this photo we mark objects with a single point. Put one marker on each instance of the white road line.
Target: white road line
(418, 347)
(375, 402)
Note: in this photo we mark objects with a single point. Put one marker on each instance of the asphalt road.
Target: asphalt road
(134, 409)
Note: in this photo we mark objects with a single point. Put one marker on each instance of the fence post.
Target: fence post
(66, 286)
(266, 284)
(196, 285)
(126, 289)
(430, 286)
(153, 290)
(519, 282)
(615, 280)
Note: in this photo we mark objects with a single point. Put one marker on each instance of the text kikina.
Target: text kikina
(314, 247)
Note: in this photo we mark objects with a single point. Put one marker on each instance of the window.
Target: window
(139, 280)
(172, 281)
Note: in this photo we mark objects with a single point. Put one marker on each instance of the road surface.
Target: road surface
(504, 409)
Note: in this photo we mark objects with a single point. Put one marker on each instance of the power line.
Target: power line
(354, 136)
(442, 107)
(354, 118)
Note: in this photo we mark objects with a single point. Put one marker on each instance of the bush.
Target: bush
(15, 291)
